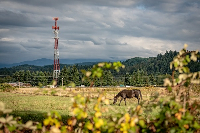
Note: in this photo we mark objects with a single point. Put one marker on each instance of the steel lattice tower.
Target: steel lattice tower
(56, 68)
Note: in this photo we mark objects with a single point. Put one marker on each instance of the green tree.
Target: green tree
(63, 76)
(33, 79)
(152, 80)
(137, 81)
(107, 78)
(127, 79)
(42, 78)
(21, 75)
(75, 76)
(27, 76)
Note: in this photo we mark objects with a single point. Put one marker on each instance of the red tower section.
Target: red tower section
(56, 68)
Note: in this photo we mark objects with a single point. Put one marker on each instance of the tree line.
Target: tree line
(137, 72)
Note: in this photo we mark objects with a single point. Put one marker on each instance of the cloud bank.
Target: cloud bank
(97, 29)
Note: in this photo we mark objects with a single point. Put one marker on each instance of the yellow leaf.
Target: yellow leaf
(101, 121)
(75, 111)
(182, 77)
(181, 110)
(55, 130)
(138, 108)
(96, 107)
(193, 57)
(186, 126)
(84, 115)
(97, 125)
(89, 125)
(185, 46)
(167, 82)
(98, 114)
(88, 73)
(101, 64)
(132, 123)
(46, 122)
(106, 101)
(57, 124)
(69, 122)
(127, 117)
(178, 116)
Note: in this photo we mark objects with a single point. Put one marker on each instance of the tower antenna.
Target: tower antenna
(56, 67)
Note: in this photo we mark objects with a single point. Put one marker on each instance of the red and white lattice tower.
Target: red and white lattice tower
(56, 67)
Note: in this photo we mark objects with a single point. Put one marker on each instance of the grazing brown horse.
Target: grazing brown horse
(128, 94)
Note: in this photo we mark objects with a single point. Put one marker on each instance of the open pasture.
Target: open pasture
(34, 103)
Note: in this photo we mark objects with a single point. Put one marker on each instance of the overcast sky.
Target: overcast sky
(97, 29)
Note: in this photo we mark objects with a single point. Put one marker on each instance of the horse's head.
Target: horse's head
(115, 100)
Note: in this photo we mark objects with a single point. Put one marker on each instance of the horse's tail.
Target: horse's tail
(140, 94)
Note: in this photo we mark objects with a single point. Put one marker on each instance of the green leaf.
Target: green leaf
(72, 84)
(99, 74)
(142, 123)
(172, 130)
(185, 69)
(188, 116)
(177, 80)
(169, 88)
(196, 125)
(175, 64)
(12, 128)
(187, 58)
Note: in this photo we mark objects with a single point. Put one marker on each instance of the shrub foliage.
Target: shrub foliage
(6, 87)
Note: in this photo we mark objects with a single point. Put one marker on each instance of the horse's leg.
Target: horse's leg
(138, 100)
(120, 101)
(125, 100)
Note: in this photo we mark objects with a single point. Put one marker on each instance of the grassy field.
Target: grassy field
(34, 103)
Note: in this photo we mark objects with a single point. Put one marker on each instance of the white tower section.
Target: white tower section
(56, 70)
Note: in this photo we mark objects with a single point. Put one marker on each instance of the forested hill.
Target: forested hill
(151, 65)
(156, 65)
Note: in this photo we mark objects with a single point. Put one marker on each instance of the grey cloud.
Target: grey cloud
(112, 3)
(113, 42)
(14, 19)
(173, 6)
(37, 44)
(96, 26)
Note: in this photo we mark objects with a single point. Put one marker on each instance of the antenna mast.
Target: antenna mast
(56, 68)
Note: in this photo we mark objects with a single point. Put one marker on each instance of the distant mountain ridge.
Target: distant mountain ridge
(151, 65)
(44, 62)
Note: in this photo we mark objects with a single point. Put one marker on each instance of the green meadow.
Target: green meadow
(33, 105)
